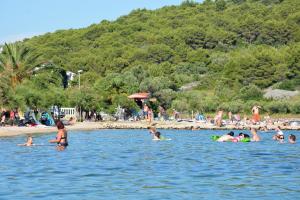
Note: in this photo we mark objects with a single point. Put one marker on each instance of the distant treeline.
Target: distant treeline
(231, 49)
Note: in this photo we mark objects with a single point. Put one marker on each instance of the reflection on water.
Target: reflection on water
(127, 164)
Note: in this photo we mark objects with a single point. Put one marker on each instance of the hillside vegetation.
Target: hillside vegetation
(230, 49)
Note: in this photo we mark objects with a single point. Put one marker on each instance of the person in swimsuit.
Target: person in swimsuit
(292, 139)
(227, 137)
(61, 137)
(255, 136)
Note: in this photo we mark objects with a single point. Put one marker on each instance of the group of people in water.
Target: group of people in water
(243, 137)
(61, 138)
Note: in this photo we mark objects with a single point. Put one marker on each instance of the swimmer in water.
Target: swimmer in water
(225, 138)
(155, 134)
(292, 139)
(255, 136)
(238, 138)
(28, 143)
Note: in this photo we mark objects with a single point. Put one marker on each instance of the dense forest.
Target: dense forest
(206, 56)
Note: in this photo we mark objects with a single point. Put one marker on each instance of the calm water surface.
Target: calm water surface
(127, 164)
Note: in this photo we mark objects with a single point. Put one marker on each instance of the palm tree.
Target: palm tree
(16, 62)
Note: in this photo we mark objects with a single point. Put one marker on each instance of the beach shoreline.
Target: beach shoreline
(88, 126)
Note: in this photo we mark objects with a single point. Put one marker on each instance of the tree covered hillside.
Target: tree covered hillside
(229, 49)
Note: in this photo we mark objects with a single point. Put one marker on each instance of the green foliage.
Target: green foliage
(251, 92)
(233, 49)
(278, 107)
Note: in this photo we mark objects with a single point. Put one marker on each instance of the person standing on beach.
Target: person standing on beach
(255, 114)
(61, 137)
(279, 135)
(218, 118)
(145, 111)
(150, 115)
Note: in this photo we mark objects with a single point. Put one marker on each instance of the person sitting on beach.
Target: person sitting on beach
(28, 143)
(72, 121)
(255, 114)
(225, 138)
(255, 136)
(61, 137)
(292, 139)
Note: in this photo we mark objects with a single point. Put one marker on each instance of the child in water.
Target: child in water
(28, 143)
(156, 134)
(292, 139)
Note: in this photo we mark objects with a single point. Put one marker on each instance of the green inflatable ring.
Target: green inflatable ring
(215, 137)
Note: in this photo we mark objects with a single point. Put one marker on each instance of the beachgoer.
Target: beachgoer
(237, 117)
(238, 138)
(255, 136)
(11, 118)
(218, 118)
(279, 135)
(255, 114)
(61, 137)
(145, 111)
(72, 121)
(28, 143)
(150, 115)
(3, 117)
(292, 139)
(225, 138)
(175, 114)
(155, 134)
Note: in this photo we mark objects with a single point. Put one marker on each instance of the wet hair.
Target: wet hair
(246, 135)
(60, 125)
(240, 134)
(157, 134)
(292, 137)
(231, 133)
(152, 128)
(281, 137)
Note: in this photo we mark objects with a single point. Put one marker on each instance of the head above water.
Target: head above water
(60, 125)
(157, 134)
(152, 129)
(292, 138)
(231, 133)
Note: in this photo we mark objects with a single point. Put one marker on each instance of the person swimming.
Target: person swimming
(156, 134)
(225, 138)
(28, 143)
(292, 139)
(238, 138)
(255, 136)
(61, 137)
(279, 136)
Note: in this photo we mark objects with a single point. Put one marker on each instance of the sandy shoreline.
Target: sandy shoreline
(14, 131)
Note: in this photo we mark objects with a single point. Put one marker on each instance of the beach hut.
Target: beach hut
(140, 98)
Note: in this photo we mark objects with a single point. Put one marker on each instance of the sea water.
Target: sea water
(128, 164)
